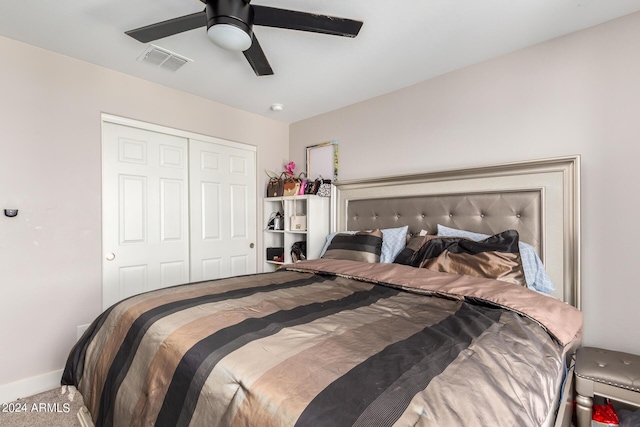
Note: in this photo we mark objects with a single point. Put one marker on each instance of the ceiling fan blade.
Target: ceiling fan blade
(304, 21)
(257, 59)
(168, 28)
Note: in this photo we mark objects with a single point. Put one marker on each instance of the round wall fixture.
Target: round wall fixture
(277, 107)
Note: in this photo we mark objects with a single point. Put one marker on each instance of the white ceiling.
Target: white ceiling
(401, 43)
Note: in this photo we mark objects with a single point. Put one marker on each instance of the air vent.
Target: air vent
(163, 58)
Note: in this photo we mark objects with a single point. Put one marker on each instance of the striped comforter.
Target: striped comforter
(326, 343)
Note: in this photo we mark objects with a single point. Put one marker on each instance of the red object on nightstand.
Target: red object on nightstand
(604, 416)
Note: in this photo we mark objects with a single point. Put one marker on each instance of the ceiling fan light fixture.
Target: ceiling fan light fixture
(229, 37)
(230, 26)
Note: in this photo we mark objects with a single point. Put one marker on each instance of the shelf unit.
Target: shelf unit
(316, 209)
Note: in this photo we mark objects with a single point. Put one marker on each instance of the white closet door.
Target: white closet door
(145, 211)
(223, 210)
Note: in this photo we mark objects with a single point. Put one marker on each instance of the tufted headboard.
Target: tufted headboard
(539, 199)
(487, 213)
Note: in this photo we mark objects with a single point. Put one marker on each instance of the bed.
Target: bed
(341, 342)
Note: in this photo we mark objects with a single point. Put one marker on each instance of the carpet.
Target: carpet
(60, 407)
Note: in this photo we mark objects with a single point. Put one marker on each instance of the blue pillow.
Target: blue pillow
(393, 242)
(534, 272)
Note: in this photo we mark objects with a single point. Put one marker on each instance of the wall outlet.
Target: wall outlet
(80, 330)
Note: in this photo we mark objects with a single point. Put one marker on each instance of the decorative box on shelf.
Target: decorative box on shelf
(298, 223)
(275, 254)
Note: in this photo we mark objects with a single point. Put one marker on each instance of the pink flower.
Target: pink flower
(290, 167)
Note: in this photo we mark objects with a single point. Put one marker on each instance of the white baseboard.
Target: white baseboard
(85, 418)
(29, 386)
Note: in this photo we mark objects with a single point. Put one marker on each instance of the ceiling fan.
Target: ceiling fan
(230, 26)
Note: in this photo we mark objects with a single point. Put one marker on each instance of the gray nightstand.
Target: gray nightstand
(605, 373)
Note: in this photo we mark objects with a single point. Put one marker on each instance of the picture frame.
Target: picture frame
(322, 160)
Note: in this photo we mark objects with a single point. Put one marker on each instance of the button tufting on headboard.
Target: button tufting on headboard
(487, 213)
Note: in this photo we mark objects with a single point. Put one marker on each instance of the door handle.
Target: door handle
(111, 257)
(252, 245)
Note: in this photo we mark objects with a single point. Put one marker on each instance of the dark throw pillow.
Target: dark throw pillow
(405, 255)
(364, 246)
(496, 257)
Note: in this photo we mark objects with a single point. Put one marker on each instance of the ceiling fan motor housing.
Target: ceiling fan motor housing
(232, 12)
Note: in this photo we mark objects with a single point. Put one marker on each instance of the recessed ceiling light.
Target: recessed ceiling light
(277, 107)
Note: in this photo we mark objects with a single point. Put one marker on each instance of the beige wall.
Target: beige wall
(579, 94)
(50, 169)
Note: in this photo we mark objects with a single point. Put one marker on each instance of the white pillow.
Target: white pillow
(393, 242)
(534, 272)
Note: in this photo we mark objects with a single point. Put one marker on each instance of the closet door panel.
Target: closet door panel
(211, 214)
(239, 214)
(223, 206)
(145, 211)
